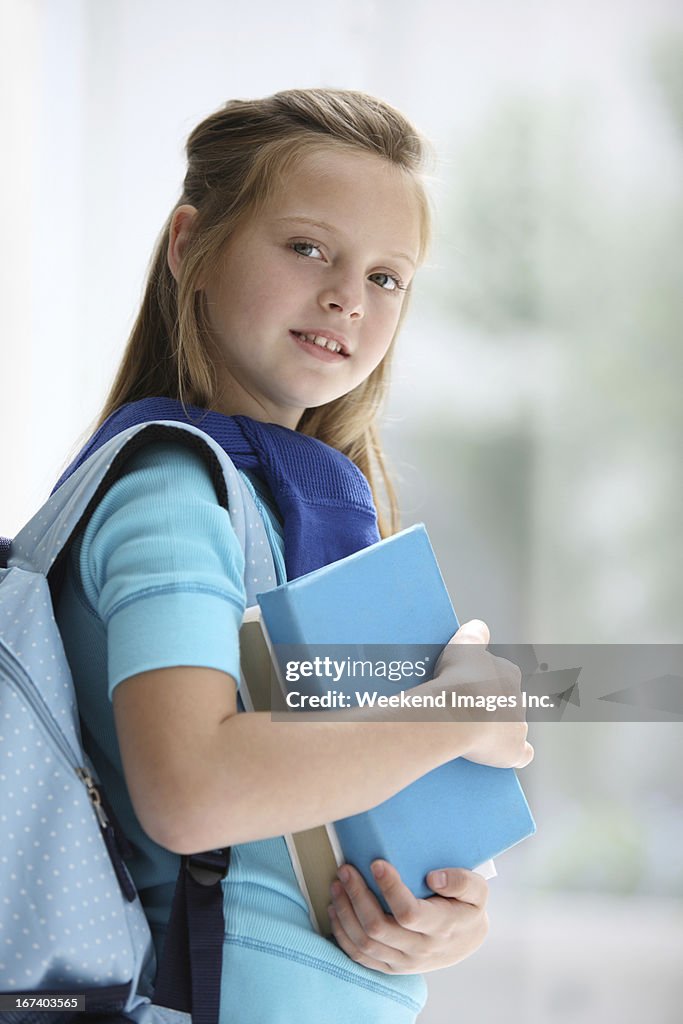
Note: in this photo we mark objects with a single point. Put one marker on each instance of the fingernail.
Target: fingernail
(378, 869)
(344, 874)
(335, 890)
(438, 879)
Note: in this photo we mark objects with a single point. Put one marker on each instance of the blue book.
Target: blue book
(381, 618)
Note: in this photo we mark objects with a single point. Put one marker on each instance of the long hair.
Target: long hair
(235, 159)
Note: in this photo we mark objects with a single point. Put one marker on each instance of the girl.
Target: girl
(274, 298)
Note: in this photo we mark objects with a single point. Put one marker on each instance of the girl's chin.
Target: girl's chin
(285, 409)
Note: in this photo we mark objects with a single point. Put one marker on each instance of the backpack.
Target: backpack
(71, 921)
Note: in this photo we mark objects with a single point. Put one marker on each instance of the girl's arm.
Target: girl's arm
(162, 570)
(202, 776)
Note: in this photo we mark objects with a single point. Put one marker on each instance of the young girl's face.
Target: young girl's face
(309, 291)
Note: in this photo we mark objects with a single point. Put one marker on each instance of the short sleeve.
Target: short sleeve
(163, 569)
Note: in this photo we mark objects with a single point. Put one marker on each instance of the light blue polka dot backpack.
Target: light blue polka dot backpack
(71, 922)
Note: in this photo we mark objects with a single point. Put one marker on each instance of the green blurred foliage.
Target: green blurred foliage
(666, 64)
(600, 847)
(542, 255)
(482, 523)
(522, 222)
(571, 520)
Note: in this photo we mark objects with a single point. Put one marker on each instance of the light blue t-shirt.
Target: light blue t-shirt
(157, 580)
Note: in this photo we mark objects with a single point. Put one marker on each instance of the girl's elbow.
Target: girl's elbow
(169, 833)
(182, 827)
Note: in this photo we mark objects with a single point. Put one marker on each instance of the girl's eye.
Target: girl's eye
(307, 249)
(388, 282)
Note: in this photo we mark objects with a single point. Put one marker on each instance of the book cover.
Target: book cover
(315, 853)
(381, 617)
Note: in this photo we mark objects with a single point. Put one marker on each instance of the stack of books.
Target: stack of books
(383, 612)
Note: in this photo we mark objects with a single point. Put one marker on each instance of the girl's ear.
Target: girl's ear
(179, 235)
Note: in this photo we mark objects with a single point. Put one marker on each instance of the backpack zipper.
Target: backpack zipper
(18, 675)
(94, 794)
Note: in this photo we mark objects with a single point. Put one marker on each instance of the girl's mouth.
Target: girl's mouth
(321, 344)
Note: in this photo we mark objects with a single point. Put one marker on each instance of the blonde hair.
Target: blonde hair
(236, 157)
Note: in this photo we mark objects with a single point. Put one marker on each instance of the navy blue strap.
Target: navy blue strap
(189, 978)
(5, 548)
(324, 499)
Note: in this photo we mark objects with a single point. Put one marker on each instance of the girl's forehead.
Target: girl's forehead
(330, 168)
(336, 186)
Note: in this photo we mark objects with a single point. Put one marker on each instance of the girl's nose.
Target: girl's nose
(343, 298)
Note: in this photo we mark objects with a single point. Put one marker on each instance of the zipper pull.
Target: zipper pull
(94, 794)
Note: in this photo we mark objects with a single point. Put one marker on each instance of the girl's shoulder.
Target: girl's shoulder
(159, 524)
(160, 567)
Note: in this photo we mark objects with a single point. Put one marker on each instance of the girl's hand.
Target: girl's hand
(419, 935)
(497, 737)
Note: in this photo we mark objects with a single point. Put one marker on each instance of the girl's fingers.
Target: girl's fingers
(364, 932)
(410, 912)
(473, 632)
(361, 952)
(418, 935)
(459, 884)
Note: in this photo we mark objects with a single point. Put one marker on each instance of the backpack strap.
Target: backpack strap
(42, 543)
(45, 538)
(190, 973)
(189, 976)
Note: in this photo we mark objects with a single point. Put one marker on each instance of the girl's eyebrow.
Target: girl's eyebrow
(308, 220)
(330, 227)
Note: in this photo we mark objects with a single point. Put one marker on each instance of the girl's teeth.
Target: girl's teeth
(316, 339)
(326, 343)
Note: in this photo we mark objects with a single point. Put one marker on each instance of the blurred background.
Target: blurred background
(535, 422)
